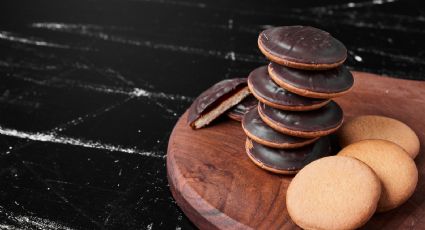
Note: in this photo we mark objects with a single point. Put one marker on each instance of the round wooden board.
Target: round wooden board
(218, 187)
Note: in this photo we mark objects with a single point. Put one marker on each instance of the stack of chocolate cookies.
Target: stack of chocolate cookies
(295, 113)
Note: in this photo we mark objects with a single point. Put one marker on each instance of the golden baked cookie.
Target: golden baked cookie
(379, 127)
(334, 192)
(396, 170)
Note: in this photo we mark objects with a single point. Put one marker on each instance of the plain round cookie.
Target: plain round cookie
(396, 170)
(333, 193)
(379, 127)
(302, 47)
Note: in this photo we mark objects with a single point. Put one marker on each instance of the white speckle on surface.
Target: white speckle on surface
(141, 93)
(138, 92)
(264, 27)
(29, 222)
(230, 24)
(329, 8)
(149, 226)
(4, 35)
(358, 58)
(395, 57)
(54, 138)
(231, 55)
(7, 227)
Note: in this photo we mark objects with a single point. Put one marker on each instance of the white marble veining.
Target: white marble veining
(8, 36)
(99, 33)
(55, 138)
(26, 222)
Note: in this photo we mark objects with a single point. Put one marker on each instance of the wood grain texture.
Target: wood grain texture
(218, 187)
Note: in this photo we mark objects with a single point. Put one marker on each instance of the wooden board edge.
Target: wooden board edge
(190, 201)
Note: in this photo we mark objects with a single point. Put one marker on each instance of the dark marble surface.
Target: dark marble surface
(90, 91)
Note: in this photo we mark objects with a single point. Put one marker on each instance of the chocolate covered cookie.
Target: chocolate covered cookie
(316, 84)
(302, 47)
(268, 92)
(286, 161)
(238, 111)
(216, 100)
(260, 132)
(307, 124)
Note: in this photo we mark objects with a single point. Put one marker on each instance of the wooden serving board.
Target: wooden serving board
(218, 187)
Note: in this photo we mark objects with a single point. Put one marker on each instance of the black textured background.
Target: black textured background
(90, 91)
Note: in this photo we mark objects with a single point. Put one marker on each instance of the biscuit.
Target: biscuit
(306, 124)
(333, 192)
(315, 84)
(286, 161)
(238, 111)
(302, 47)
(268, 92)
(260, 132)
(216, 100)
(379, 127)
(395, 169)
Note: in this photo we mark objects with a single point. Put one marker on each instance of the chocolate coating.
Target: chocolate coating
(289, 159)
(238, 111)
(262, 86)
(334, 80)
(255, 126)
(210, 97)
(328, 117)
(302, 44)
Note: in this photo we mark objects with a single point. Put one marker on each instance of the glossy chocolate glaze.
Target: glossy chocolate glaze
(335, 80)
(263, 86)
(253, 124)
(302, 44)
(243, 107)
(204, 102)
(290, 159)
(325, 118)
